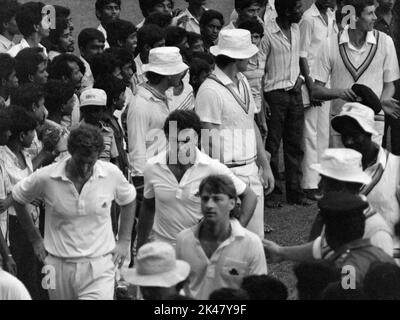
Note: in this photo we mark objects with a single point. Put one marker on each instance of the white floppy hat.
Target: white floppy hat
(364, 116)
(157, 266)
(93, 97)
(343, 165)
(234, 43)
(166, 61)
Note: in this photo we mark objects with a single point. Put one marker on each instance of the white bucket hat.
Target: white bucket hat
(343, 165)
(93, 97)
(157, 266)
(234, 43)
(166, 61)
(364, 116)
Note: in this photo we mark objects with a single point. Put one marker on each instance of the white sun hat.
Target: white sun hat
(234, 43)
(157, 266)
(93, 97)
(343, 165)
(166, 61)
(364, 116)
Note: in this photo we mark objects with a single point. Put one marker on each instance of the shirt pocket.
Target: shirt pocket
(233, 271)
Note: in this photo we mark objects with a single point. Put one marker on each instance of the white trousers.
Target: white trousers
(315, 141)
(81, 279)
(249, 175)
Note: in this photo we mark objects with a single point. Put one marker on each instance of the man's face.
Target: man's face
(40, 111)
(175, 80)
(386, 5)
(127, 72)
(249, 12)
(41, 73)
(4, 136)
(117, 72)
(83, 165)
(212, 29)
(76, 75)
(367, 19)
(93, 114)
(27, 138)
(216, 207)
(120, 103)
(66, 41)
(110, 12)
(12, 81)
(163, 7)
(94, 48)
(198, 46)
(295, 13)
(12, 27)
(256, 39)
(353, 137)
(242, 65)
(131, 43)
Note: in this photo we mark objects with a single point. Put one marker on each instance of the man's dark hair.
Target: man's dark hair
(103, 64)
(28, 15)
(197, 66)
(184, 119)
(5, 122)
(382, 281)
(359, 5)
(222, 61)
(210, 15)
(205, 56)
(193, 37)
(27, 94)
(88, 35)
(7, 66)
(281, 6)
(264, 287)
(335, 291)
(59, 67)
(243, 4)
(85, 140)
(8, 10)
(122, 55)
(174, 36)
(313, 277)
(253, 25)
(27, 62)
(118, 31)
(58, 93)
(148, 35)
(21, 121)
(163, 20)
(54, 37)
(147, 6)
(100, 4)
(229, 294)
(61, 11)
(112, 86)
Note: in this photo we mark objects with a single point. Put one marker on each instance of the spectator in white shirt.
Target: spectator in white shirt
(107, 11)
(189, 19)
(91, 43)
(33, 25)
(246, 9)
(8, 78)
(219, 250)
(79, 242)
(8, 25)
(172, 178)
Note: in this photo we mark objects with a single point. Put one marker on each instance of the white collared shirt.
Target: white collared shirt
(192, 25)
(77, 225)
(282, 57)
(239, 256)
(178, 204)
(5, 44)
(22, 45)
(140, 74)
(16, 174)
(215, 104)
(314, 31)
(88, 79)
(104, 32)
(145, 122)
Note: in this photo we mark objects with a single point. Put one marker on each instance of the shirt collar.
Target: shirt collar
(60, 172)
(201, 158)
(344, 37)
(139, 65)
(7, 43)
(237, 231)
(224, 78)
(316, 13)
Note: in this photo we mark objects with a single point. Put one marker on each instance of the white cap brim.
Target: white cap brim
(166, 70)
(360, 177)
(245, 53)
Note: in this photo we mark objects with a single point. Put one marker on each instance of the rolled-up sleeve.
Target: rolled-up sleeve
(209, 106)
(306, 30)
(125, 193)
(28, 189)
(258, 262)
(391, 64)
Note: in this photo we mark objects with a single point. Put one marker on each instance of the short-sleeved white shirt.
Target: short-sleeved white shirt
(178, 204)
(77, 225)
(215, 104)
(22, 45)
(241, 255)
(192, 25)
